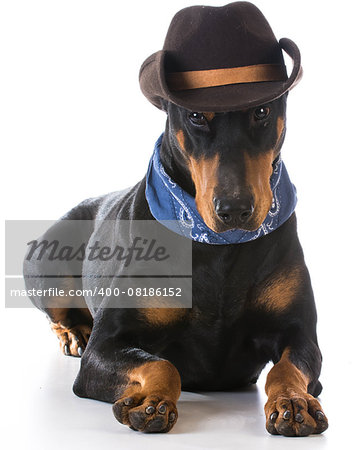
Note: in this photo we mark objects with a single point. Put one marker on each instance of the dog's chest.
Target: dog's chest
(217, 344)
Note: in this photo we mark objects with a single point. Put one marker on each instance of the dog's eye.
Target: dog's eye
(197, 119)
(262, 112)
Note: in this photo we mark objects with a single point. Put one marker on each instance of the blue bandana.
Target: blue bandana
(176, 209)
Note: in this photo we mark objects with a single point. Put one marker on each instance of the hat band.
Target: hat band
(197, 79)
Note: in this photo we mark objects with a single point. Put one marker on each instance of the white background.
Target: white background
(74, 124)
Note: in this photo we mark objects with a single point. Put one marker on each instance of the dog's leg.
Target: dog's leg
(143, 387)
(72, 327)
(69, 317)
(47, 270)
(291, 409)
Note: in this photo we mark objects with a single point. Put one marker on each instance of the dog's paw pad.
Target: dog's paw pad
(150, 414)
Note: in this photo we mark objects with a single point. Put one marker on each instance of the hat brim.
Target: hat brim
(219, 98)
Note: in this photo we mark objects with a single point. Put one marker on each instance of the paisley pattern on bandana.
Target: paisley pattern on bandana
(176, 209)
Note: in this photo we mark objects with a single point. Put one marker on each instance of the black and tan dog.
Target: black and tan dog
(252, 301)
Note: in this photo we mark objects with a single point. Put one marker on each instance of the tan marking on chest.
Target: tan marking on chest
(278, 292)
(163, 316)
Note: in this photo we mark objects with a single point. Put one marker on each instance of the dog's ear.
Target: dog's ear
(164, 105)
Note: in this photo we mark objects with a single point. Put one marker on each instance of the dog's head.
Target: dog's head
(229, 159)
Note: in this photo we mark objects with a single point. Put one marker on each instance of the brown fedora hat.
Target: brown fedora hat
(219, 59)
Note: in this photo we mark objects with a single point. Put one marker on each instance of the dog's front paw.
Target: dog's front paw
(150, 414)
(295, 415)
(73, 340)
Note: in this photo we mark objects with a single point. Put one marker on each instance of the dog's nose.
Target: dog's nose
(232, 210)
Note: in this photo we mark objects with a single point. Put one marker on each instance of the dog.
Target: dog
(252, 300)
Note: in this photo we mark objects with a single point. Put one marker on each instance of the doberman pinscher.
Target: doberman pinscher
(266, 313)
(251, 302)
